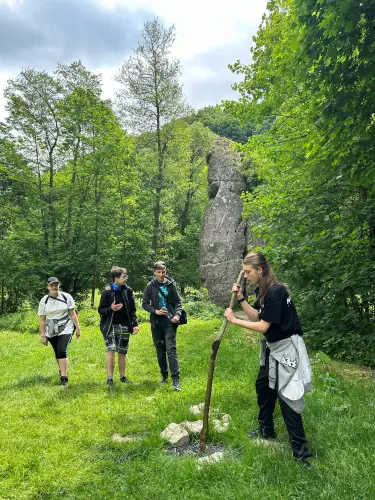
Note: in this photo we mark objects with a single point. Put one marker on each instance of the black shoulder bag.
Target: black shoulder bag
(65, 301)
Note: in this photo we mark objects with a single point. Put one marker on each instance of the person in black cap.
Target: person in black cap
(58, 321)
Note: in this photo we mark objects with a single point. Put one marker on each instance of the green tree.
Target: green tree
(152, 97)
(223, 124)
(314, 208)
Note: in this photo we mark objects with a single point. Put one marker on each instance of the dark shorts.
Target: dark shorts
(118, 339)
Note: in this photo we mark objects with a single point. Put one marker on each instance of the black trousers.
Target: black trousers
(266, 401)
(164, 337)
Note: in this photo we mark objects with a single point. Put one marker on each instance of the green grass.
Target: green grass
(56, 443)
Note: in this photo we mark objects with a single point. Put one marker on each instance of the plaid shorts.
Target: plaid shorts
(118, 339)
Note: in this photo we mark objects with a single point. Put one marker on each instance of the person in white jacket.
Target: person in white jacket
(284, 372)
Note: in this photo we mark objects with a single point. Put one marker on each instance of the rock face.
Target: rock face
(224, 241)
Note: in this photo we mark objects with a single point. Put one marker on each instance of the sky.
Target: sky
(102, 33)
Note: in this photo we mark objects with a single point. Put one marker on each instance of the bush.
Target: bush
(25, 321)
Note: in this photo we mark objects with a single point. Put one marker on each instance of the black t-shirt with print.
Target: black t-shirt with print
(278, 309)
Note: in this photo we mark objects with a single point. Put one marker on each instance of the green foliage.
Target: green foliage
(223, 124)
(194, 295)
(315, 203)
(78, 194)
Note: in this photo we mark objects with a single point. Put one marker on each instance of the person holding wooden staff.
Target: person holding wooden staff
(285, 372)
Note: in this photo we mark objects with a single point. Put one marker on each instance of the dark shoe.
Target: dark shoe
(63, 381)
(176, 384)
(125, 380)
(260, 434)
(163, 381)
(109, 382)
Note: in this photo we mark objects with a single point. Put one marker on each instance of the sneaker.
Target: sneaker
(260, 434)
(109, 382)
(163, 381)
(176, 384)
(125, 380)
(63, 381)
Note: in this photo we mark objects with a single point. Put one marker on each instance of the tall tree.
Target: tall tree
(311, 76)
(32, 100)
(152, 97)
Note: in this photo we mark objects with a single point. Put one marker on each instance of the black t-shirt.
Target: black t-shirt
(120, 317)
(278, 309)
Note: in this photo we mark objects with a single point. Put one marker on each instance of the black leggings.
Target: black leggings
(60, 345)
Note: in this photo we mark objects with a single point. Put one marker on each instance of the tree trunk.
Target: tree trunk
(160, 179)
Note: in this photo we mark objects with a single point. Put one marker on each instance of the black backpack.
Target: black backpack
(65, 301)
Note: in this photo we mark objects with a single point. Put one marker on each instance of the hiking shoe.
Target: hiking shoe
(63, 381)
(260, 434)
(163, 381)
(109, 382)
(125, 380)
(176, 384)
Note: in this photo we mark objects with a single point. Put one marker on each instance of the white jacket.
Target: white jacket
(293, 377)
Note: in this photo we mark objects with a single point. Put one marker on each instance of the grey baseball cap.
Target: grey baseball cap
(52, 279)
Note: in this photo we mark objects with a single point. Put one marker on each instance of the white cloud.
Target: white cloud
(209, 35)
(202, 25)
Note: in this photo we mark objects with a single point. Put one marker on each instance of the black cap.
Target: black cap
(52, 279)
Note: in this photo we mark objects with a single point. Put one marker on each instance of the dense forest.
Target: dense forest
(312, 79)
(86, 183)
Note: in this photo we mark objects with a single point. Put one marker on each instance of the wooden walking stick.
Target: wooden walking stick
(215, 348)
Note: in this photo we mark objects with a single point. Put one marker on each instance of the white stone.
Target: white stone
(197, 409)
(176, 435)
(220, 426)
(193, 427)
(210, 459)
(225, 418)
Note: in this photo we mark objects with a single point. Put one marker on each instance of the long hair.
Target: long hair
(268, 277)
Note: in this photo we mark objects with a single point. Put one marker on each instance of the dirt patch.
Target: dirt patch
(192, 449)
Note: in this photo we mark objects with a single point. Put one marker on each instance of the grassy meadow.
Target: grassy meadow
(57, 443)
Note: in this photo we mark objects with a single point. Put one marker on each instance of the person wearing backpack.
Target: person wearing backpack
(118, 320)
(57, 322)
(162, 301)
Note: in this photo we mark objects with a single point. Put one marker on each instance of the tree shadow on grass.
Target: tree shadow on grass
(32, 380)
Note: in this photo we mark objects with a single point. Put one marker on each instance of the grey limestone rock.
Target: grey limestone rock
(225, 235)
